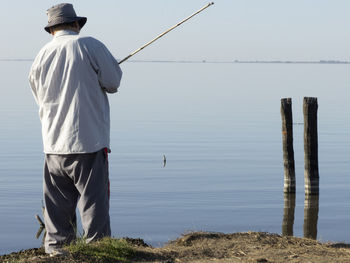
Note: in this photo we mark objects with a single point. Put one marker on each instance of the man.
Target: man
(70, 78)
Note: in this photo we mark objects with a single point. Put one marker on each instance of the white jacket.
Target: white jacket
(70, 78)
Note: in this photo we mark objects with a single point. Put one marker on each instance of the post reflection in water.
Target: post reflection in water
(288, 214)
(311, 206)
(311, 216)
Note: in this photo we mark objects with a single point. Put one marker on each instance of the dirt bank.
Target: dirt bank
(206, 247)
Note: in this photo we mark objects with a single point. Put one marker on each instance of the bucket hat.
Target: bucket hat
(63, 13)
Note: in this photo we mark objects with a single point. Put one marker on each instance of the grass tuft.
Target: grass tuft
(105, 250)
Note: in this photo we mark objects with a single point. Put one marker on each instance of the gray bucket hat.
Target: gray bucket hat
(63, 13)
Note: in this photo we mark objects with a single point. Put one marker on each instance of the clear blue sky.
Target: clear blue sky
(231, 29)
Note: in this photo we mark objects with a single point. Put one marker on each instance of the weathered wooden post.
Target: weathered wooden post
(310, 146)
(288, 214)
(287, 141)
(311, 216)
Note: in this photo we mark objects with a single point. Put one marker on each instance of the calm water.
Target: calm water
(220, 129)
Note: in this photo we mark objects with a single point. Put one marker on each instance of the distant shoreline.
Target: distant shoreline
(242, 61)
(295, 62)
(333, 62)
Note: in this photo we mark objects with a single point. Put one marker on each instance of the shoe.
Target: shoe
(58, 253)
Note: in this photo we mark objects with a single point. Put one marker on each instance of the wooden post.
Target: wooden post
(287, 141)
(288, 214)
(310, 146)
(311, 216)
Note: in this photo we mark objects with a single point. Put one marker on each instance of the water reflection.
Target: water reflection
(288, 214)
(311, 216)
(311, 207)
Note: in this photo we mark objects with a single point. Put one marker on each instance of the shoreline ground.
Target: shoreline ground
(203, 247)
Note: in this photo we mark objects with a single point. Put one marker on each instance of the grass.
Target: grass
(104, 250)
(204, 247)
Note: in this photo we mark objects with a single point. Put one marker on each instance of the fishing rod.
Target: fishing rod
(165, 32)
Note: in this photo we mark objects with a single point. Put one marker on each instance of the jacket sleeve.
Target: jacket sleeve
(31, 79)
(108, 70)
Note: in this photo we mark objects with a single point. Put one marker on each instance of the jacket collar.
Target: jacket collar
(64, 33)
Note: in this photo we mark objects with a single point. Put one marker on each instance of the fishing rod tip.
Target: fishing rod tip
(211, 3)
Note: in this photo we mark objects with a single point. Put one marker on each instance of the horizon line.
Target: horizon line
(210, 61)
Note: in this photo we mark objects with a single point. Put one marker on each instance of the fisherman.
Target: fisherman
(70, 79)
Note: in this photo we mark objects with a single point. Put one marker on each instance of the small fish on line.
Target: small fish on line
(164, 160)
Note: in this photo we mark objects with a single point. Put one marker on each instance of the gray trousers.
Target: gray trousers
(71, 180)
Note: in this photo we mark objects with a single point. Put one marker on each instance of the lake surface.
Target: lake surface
(219, 127)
